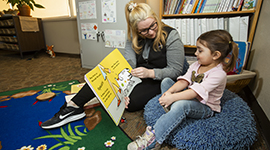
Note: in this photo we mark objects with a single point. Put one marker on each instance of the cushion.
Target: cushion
(233, 128)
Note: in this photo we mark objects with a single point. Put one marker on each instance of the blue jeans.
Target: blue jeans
(179, 110)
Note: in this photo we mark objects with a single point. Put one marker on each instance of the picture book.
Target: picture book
(242, 57)
(249, 5)
(75, 88)
(111, 81)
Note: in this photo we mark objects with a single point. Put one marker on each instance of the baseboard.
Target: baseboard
(262, 119)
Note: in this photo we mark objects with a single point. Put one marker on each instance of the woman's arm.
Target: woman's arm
(175, 58)
(130, 54)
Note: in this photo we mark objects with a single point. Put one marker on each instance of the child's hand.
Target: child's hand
(127, 101)
(165, 100)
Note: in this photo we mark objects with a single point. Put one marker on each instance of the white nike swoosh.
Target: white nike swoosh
(61, 117)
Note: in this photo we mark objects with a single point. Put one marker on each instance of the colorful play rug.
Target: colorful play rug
(22, 114)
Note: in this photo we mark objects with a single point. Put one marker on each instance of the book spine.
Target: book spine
(201, 10)
(177, 7)
(195, 6)
(240, 5)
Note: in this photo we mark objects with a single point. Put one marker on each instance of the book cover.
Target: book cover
(75, 88)
(249, 5)
(242, 57)
(111, 81)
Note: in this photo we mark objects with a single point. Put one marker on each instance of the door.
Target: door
(92, 48)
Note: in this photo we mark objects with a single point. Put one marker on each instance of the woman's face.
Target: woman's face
(148, 28)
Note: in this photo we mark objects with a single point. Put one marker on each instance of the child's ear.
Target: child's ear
(216, 55)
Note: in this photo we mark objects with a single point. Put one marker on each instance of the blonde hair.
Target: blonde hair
(221, 40)
(139, 12)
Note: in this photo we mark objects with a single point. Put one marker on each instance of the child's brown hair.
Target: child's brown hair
(222, 41)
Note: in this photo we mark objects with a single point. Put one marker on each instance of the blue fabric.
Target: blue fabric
(233, 128)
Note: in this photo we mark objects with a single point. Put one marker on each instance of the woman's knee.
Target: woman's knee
(166, 83)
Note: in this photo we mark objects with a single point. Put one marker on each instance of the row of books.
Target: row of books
(206, 6)
(191, 28)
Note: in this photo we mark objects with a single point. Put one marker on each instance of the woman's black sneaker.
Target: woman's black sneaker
(63, 117)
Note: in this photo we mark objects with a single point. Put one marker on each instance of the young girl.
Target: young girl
(197, 93)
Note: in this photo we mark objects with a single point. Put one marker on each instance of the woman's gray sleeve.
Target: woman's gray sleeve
(130, 55)
(175, 58)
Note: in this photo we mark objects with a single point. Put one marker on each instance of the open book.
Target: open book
(111, 81)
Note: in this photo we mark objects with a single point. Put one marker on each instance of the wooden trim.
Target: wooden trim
(254, 22)
(161, 6)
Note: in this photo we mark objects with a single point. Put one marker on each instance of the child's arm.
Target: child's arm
(167, 99)
(178, 86)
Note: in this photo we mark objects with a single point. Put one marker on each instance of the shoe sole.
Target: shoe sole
(65, 121)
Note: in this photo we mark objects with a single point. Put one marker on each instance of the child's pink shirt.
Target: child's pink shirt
(211, 89)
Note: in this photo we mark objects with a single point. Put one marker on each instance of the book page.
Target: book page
(111, 81)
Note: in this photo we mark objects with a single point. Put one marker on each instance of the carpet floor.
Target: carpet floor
(17, 73)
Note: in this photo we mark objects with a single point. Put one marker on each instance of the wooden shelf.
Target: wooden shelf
(254, 15)
(14, 39)
(233, 13)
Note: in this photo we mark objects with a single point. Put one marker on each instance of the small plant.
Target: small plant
(20, 3)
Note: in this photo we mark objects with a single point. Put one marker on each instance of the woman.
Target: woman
(153, 49)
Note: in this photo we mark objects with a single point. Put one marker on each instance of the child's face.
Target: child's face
(204, 55)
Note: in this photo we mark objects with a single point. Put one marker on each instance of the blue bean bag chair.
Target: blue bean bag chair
(233, 128)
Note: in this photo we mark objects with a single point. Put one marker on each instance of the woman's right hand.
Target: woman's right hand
(142, 72)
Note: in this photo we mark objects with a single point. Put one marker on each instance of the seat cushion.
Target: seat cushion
(233, 128)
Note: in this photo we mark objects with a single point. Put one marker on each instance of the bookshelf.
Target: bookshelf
(253, 18)
(13, 38)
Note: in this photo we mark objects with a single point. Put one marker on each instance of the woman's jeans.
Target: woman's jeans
(179, 110)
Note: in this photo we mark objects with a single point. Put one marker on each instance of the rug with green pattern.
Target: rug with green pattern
(22, 114)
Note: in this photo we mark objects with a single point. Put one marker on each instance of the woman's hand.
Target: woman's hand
(127, 101)
(142, 72)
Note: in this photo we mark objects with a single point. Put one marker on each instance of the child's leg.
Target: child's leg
(179, 110)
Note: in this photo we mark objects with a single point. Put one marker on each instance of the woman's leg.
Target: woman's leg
(69, 112)
(142, 93)
(166, 83)
(83, 96)
(179, 110)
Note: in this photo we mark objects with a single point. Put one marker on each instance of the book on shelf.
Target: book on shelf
(195, 6)
(198, 7)
(207, 6)
(240, 5)
(210, 6)
(242, 57)
(111, 81)
(249, 5)
(189, 29)
(202, 7)
(183, 7)
(177, 8)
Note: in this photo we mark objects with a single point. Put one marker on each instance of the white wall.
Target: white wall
(63, 34)
(261, 45)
